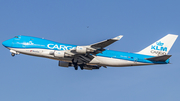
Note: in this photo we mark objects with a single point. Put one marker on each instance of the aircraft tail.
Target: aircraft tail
(160, 47)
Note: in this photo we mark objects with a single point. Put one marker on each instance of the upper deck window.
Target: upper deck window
(16, 37)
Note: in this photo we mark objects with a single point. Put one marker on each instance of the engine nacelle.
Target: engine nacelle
(60, 54)
(64, 64)
(90, 67)
(81, 49)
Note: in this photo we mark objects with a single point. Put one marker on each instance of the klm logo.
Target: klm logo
(159, 47)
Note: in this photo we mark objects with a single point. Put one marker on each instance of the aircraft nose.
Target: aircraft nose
(7, 43)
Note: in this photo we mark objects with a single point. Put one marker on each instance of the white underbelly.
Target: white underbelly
(105, 61)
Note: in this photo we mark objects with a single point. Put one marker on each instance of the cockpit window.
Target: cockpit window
(16, 37)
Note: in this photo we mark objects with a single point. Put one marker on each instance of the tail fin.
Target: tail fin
(160, 47)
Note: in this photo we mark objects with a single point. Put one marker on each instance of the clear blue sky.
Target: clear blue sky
(142, 22)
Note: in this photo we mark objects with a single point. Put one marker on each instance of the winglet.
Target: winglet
(118, 37)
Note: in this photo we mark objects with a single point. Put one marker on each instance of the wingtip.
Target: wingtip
(118, 37)
(173, 35)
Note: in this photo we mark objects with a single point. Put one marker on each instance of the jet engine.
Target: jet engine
(64, 64)
(60, 54)
(81, 49)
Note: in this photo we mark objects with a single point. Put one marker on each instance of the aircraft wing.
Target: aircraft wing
(106, 43)
(93, 48)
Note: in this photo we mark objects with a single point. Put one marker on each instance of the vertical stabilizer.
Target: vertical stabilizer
(160, 47)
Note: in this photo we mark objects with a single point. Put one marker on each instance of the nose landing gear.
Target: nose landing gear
(12, 54)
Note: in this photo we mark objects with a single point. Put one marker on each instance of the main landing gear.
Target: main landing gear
(81, 66)
(75, 63)
(76, 66)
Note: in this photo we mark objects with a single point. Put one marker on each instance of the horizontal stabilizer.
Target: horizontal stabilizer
(159, 58)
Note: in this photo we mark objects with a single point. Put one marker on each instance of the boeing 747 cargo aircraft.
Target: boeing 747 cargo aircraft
(91, 56)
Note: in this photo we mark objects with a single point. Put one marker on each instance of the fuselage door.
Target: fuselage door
(135, 60)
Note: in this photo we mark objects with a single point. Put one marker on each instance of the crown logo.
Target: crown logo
(159, 43)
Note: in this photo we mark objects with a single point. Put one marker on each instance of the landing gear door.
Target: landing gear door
(135, 60)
